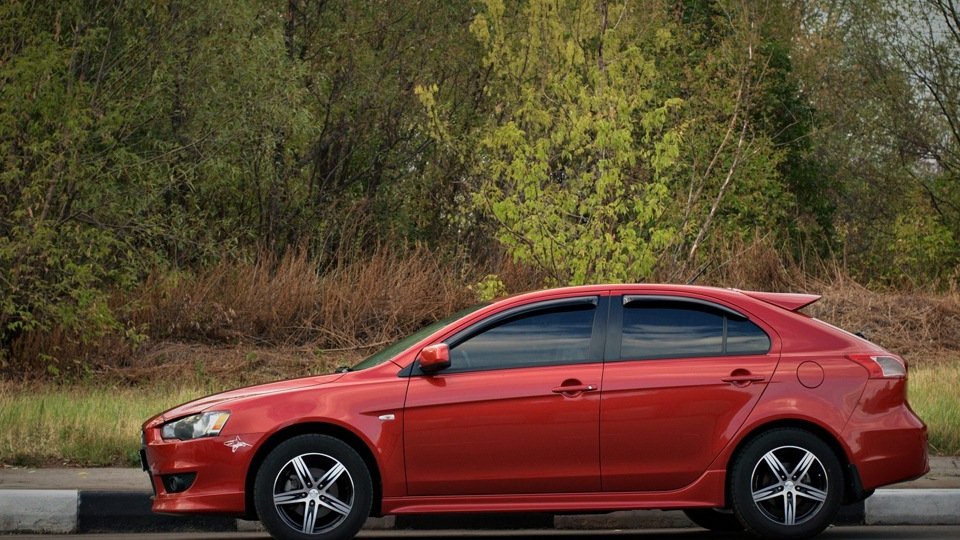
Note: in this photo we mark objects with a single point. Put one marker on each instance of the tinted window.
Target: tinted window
(672, 329)
(744, 337)
(558, 335)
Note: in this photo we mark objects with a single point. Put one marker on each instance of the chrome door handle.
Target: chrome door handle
(574, 389)
(743, 380)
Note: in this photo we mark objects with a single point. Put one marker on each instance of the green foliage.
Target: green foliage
(489, 288)
(922, 245)
(593, 140)
(571, 162)
(731, 178)
(56, 259)
(883, 77)
(144, 136)
(616, 151)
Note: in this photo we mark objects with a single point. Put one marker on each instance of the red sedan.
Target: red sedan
(730, 405)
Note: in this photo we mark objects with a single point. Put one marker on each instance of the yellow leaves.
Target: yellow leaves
(664, 38)
(427, 95)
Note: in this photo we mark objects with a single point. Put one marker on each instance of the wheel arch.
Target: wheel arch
(851, 479)
(308, 428)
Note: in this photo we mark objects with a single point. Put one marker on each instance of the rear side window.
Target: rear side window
(677, 329)
(744, 337)
(558, 335)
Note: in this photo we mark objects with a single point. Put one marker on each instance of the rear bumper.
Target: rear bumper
(888, 441)
(900, 456)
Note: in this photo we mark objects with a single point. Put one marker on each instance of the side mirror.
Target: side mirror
(433, 358)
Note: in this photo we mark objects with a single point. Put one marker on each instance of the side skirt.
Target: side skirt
(705, 492)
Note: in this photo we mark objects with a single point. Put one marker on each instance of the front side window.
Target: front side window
(556, 335)
(678, 329)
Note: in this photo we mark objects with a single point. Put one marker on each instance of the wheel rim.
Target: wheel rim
(789, 485)
(313, 493)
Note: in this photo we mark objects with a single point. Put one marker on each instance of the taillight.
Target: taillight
(881, 366)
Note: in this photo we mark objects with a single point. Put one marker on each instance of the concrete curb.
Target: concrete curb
(78, 511)
(42, 511)
(913, 507)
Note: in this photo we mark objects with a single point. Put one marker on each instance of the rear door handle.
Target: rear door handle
(743, 379)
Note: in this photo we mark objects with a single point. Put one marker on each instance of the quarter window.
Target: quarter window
(675, 329)
(558, 335)
(744, 337)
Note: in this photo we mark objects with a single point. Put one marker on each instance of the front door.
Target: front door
(516, 412)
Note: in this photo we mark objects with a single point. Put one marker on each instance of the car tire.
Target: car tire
(787, 484)
(313, 487)
(714, 519)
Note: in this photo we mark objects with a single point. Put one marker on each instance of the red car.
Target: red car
(730, 405)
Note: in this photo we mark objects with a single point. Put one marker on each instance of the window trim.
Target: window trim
(729, 312)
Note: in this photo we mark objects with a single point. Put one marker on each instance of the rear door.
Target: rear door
(682, 375)
(518, 410)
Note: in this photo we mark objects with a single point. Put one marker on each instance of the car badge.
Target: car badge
(236, 444)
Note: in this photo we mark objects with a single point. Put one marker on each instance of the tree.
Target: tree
(164, 136)
(618, 143)
(728, 66)
(571, 161)
(882, 75)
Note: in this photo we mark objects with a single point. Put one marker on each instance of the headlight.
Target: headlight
(206, 424)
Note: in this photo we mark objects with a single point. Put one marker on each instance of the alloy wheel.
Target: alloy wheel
(313, 493)
(789, 485)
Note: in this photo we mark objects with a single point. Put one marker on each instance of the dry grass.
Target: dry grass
(384, 298)
(748, 265)
(222, 367)
(263, 301)
(267, 319)
(920, 326)
(286, 310)
(290, 302)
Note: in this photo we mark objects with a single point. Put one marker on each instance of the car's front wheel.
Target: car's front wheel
(313, 487)
(786, 483)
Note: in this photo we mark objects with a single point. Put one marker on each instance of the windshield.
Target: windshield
(383, 355)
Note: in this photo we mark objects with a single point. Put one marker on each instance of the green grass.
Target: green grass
(54, 426)
(98, 426)
(934, 396)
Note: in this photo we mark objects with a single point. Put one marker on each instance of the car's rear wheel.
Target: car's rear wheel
(786, 483)
(313, 487)
(714, 519)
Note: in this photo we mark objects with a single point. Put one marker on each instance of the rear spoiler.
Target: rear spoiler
(787, 301)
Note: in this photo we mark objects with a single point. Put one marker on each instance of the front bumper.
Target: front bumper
(205, 475)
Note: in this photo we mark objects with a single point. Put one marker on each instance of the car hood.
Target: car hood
(209, 402)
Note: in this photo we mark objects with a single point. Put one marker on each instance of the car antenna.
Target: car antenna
(700, 273)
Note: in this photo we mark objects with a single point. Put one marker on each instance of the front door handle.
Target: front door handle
(573, 388)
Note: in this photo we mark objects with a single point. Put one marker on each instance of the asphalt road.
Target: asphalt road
(833, 533)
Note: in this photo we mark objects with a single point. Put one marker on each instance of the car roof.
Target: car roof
(787, 301)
